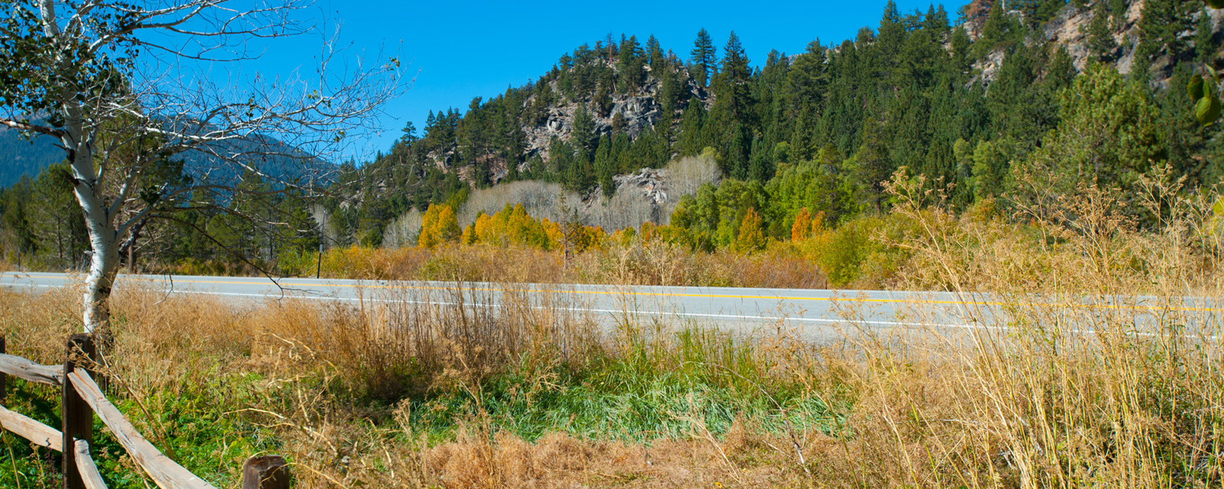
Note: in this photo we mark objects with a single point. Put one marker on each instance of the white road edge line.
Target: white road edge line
(608, 311)
(645, 313)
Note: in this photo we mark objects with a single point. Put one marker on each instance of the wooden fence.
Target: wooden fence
(82, 399)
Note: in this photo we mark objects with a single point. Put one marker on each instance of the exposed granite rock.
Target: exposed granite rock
(1069, 29)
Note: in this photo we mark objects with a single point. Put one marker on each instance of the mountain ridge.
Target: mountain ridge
(617, 107)
(29, 157)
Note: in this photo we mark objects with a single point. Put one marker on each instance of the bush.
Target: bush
(861, 253)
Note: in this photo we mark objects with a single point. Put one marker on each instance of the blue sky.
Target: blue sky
(458, 50)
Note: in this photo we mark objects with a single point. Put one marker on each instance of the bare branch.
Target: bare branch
(25, 126)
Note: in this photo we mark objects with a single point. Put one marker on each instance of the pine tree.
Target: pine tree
(1017, 108)
(1000, 31)
(936, 22)
(736, 147)
(603, 99)
(692, 126)
(670, 95)
(1187, 140)
(583, 137)
(761, 160)
(806, 82)
(1205, 45)
(629, 66)
(560, 157)
(731, 115)
(654, 54)
(704, 58)
(1100, 34)
(990, 166)
(872, 164)
(962, 48)
(16, 215)
(891, 35)
(734, 79)
(1048, 9)
(56, 217)
(1160, 24)
(605, 167)
(1107, 137)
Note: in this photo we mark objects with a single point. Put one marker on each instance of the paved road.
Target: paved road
(816, 312)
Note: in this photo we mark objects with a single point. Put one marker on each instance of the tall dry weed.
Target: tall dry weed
(660, 263)
(1100, 368)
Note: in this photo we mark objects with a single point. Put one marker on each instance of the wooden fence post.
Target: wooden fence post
(77, 415)
(3, 376)
(266, 472)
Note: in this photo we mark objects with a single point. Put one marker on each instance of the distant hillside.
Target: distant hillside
(604, 110)
(277, 161)
(24, 157)
(953, 97)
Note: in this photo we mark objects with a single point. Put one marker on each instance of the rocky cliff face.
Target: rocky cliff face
(637, 113)
(1070, 30)
(629, 113)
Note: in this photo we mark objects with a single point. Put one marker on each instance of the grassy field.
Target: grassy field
(440, 397)
(533, 395)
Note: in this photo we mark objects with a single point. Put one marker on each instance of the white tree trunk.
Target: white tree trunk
(103, 267)
(103, 237)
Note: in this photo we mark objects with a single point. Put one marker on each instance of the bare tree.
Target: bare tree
(122, 87)
(403, 230)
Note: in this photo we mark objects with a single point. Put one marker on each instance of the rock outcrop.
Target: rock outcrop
(1070, 30)
(637, 113)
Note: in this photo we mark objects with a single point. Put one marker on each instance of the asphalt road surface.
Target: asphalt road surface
(815, 313)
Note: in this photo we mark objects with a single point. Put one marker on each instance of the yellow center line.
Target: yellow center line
(707, 296)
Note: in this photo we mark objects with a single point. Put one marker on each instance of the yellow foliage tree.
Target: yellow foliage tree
(802, 228)
(648, 231)
(751, 237)
(817, 224)
(512, 226)
(583, 238)
(438, 226)
(553, 233)
(469, 234)
(482, 228)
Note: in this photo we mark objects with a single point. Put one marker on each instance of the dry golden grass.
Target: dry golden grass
(318, 360)
(1043, 404)
(652, 263)
(474, 459)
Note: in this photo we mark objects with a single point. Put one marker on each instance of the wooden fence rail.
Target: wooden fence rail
(33, 372)
(82, 398)
(90, 477)
(38, 433)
